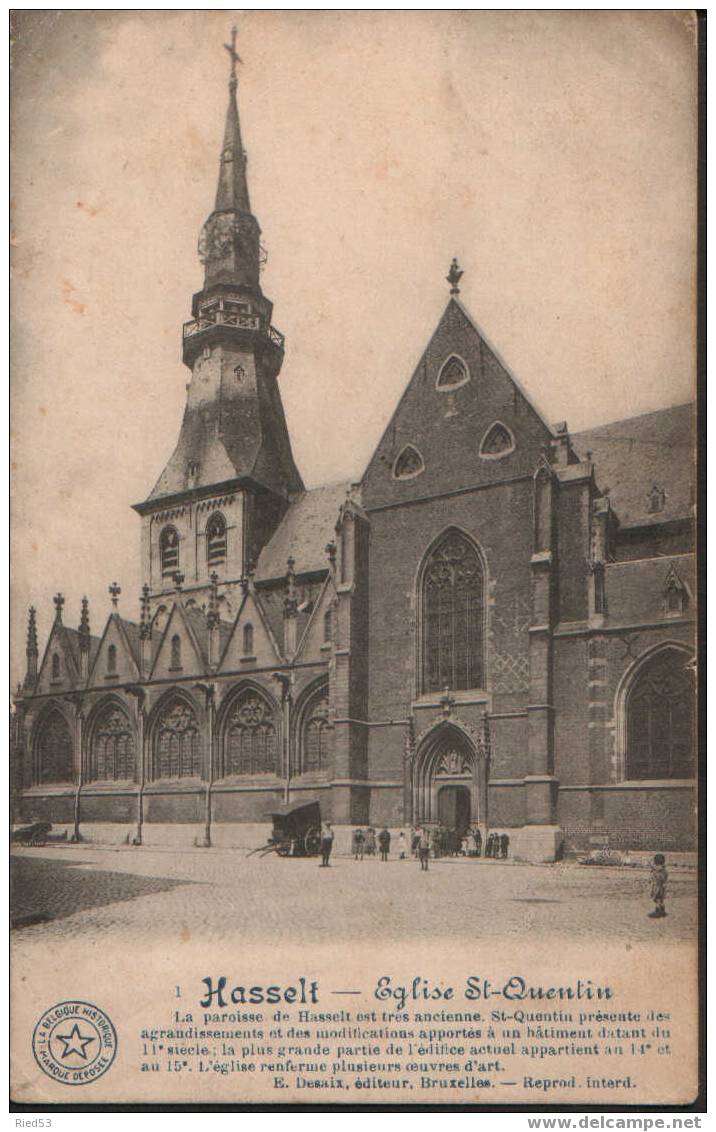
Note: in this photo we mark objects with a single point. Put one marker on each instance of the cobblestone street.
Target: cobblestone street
(219, 895)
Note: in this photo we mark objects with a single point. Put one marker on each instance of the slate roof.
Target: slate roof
(309, 523)
(132, 631)
(633, 455)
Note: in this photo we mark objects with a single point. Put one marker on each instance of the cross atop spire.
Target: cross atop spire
(454, 276)
(114, 591)
(234, 56)
(59, 601)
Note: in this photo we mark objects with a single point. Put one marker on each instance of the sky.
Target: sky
(553, 152)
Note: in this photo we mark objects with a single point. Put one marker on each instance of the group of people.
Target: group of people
(365, 843)
(425, 842)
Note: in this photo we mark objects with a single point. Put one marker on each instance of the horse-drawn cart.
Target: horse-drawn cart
(296, 830)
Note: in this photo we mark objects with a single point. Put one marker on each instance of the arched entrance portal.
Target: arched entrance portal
(454, 808)
(448, 781)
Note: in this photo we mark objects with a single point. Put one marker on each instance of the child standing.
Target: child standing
(659, 877)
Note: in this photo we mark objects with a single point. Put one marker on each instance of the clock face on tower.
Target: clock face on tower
(224, 233)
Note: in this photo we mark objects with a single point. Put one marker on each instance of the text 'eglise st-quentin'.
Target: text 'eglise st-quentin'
(476, 988)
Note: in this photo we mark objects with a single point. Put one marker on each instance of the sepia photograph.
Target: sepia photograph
(354, 618)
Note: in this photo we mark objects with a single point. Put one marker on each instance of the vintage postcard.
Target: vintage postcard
(353, 752)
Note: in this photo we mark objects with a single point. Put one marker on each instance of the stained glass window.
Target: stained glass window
(251, 740)
(660, 719)
(112, 746)
(177, 752)
(316, 733)
(54, 750)
(453, 615)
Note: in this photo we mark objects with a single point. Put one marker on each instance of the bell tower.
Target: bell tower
(231, 476)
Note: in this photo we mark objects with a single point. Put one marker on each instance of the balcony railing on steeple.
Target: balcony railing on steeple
(220, 317)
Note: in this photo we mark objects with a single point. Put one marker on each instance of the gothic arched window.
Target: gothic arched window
(176, 651)
(497, 441)
(169, 551)
(111, 753)
(328, 626)
(55, 666)
(111, 659)
(316, 732)
(409, 463)
(177, 751)
(248, 640)
(216, 539)
(453, 373)
(660, 718)
(250, 737)
(453, 606)
(54, 750)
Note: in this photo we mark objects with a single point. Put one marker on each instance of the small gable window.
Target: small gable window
(656, 500)
(327, 627)
(176, 651)
(55, 666)
(409, 464)
(169, 551)
(248, 640)
(453, 373)
(498, 441)
(216, 539)
(112, 659)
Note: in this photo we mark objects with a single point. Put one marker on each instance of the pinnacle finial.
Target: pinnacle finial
(144, 614)
(454, 276)
(84, 629)
(234, 56)
(59, 601)
(31, 632)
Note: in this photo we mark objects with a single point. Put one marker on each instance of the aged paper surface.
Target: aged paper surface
(408, 589)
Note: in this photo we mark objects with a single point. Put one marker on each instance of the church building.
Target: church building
(495, 627)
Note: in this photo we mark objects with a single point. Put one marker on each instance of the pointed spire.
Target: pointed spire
(32, 632)
(232, 191)
(84, 629)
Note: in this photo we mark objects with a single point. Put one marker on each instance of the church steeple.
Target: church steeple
(233, 440)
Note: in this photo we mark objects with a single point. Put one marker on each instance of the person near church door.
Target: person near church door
(423, 848)
(384, 843)
(358, 844)
(326, 844)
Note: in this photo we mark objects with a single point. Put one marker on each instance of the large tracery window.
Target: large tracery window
(177, 750)
(453, 616)
(112, 746)
(250, 737)
(660, 719)
(316, 733)
(53, 750)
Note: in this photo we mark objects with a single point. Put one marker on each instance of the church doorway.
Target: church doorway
(454, 808)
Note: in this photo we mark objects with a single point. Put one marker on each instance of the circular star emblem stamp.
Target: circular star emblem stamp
(74, 1043)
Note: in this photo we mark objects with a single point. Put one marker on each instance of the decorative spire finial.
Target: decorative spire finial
(234, 56)
(32, 632)
(212, 615)
(59, 601)
(454, 276)
(114, 591)
(144, 620)
(290, 604)
(84, 629)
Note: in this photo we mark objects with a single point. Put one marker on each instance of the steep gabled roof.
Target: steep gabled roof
(302, 534)
(633, 456)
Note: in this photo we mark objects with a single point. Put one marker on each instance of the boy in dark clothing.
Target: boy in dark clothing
(659, 877)
(384, 843)
(359, 843)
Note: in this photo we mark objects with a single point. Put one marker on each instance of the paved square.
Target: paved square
(220, 894)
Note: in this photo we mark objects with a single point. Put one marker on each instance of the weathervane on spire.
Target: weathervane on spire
(233, 55)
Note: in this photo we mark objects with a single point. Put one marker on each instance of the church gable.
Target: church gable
(59, 670)
(114, 662)
(462, 421)
(315, 644)
(179, 652)
(251, 644)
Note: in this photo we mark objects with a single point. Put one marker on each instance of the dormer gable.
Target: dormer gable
(317, 640)
(252, 643)
(59, 671)
(116, 661)
(180, 652)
